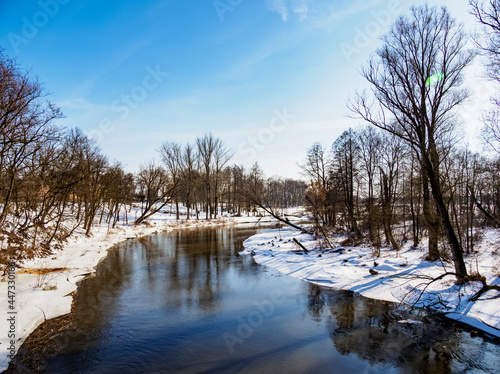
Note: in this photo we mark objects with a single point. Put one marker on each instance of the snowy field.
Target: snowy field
(397, 277)
(44, 287)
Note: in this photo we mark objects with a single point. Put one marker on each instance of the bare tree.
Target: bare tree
(370, 144)
(156, 188)
(489, 16)
(171, 155)
(416, 78)
(316, 164)
(392, 153)
(26, 125)
(316, 167)
(237, 181)
(189, 162)
(222, 155)
(206, 149)
(213, 156)
(345, 169)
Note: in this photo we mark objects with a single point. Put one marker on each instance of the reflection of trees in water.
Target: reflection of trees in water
(186, 266)
(197, 260)
(316, 302)
(191, 268)
(99, 295)
(370, 329)
(191, 279)
(95, 303)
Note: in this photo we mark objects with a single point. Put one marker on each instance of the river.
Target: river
(187, 302)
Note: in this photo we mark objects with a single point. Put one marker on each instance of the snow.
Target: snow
(44, 296)
(402, 277)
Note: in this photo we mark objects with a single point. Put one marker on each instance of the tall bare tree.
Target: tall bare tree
(213, 155)
(206, 148)
(316, 167)
(26, 125)
(316, 164)
(416, 78)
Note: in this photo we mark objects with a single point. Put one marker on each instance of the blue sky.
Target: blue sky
(269, 77)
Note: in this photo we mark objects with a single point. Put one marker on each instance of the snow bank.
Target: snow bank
(396, 277)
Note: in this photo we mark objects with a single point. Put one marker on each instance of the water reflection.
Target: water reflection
(187, 302)
(376, 332)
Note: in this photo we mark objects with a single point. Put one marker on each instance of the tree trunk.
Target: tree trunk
(430, 219)
(458, 259)
(370, 210)
(386, 212)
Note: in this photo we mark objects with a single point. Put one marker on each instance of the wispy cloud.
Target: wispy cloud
(327, 16)
(319, 13)
(280, 7)
(78, 103)
(288, 8)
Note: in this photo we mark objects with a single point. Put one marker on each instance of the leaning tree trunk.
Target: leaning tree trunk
(456, 250)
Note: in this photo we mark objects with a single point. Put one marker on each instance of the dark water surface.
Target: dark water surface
(186, 302)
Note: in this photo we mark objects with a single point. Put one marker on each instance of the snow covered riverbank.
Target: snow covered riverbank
(44, 287)
(397, 277)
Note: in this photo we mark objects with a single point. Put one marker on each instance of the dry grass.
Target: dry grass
(44, 276)
(41, 271)
(46, 341)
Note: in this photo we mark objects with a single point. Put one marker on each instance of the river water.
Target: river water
(186, 302)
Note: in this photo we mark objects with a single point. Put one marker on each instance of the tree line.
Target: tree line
(371, 185)
(55, 180)
(198, 176)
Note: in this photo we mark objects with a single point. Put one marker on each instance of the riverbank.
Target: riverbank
(402, 277)
(44, 287)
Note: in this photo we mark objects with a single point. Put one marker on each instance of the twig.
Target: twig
(428, 284)
(44, 316)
